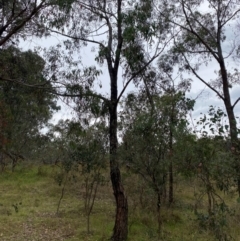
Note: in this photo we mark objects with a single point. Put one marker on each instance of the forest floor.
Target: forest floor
(30, 197)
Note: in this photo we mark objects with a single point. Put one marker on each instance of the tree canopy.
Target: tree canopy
(25, 110)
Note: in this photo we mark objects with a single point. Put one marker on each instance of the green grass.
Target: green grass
(30, 195)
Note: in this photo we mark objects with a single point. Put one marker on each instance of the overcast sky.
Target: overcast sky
(204, 100)
(205, 97)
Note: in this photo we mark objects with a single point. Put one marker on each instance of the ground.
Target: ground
(30, 196)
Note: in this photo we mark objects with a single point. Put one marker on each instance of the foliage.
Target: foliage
(152, 129)
(202, 40)
(83, 152)
(149, 140)
(24, 110)
(216, 171)
(19, 19)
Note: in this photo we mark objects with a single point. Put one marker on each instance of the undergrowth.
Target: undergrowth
(30, 197)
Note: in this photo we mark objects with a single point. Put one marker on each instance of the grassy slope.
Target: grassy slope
(29, 199)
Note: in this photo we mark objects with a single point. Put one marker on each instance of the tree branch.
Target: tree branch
(191, 30)
(235, 103)
(143, 68)
(120, 40)
(22, 23)
(76, 38)
(201, 79)
(195, 19)
(17, 81)
(231, 17)
(90, 94)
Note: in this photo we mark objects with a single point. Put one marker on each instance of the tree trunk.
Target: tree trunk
(88, 223)
(238, 186)
(170, 191)
(120, 230)
(228, 104)
(159, 214)
(231, 118)
(14, 164)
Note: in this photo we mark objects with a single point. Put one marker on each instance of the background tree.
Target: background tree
(27, 110)
(214, 167)
(161, 82)
(205, 29)
(81, 154)
(203, 38)
(88, 150)
(17, 19)
(150, 138)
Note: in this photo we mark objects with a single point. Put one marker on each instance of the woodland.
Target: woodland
(130, 162)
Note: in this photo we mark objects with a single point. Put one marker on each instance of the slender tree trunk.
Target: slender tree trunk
(62, 194)
(231, 118)
(228, 104)
(164, 188)
(159, 214)
(88, 223)
(170, 191)
(233, 135)
(120, 230)
(14, 163)
(238, 185)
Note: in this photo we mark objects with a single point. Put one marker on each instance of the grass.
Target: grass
(30, 195)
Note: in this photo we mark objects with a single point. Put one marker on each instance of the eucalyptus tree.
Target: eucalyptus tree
(213, 165)
(150, 137)
(18, 19)
(127, 40)
(24, 110)
(87, 148)
(81, 150)
(164, 83)
(176, 105)
(206, 35)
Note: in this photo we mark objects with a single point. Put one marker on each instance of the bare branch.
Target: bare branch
(120, 40)
(53, 89)
(87, 94)
(235, 103)
(142, 69)
(20, 82)
(201, 79)
(231, 17)
(97, 10)
(76, 38)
